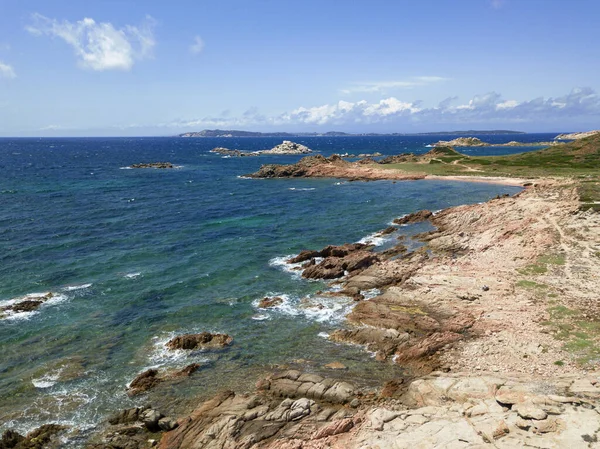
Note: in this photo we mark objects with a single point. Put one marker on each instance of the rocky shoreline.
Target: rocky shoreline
(477, 316)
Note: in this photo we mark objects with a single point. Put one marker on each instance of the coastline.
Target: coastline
(473, 317)
(482, 307)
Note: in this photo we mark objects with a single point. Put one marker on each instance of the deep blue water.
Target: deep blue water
(134, 257)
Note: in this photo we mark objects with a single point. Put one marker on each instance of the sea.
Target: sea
(133, 257)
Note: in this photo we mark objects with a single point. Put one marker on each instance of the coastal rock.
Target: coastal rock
(269, 302)
(576, 136)
(153, 165)
(24, 306)
(335, 267)
(203, 340)
(415, 217)
(329, 251)
(288, 147)
(236, 153)
(127, 416)
(150, 418)
(39, 438)
(144, 382)
(335, 366)
(462, 142)
(318, 166)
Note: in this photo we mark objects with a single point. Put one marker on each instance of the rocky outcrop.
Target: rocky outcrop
(338, 261)
(203, 340)
(151, 378)
(153, 165)
(39, 438)
(462, 142)
(318, 166)
(288, 147)
(576, 136)
(285, 148)
(269, 302)
(236, 153)
(29, 303)
(415, 217)
(288, 410)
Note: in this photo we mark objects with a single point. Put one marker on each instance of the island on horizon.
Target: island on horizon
(238, 133)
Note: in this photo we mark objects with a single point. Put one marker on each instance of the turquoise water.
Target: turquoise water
(134, 257)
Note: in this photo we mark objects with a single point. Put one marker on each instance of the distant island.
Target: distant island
(237, 133)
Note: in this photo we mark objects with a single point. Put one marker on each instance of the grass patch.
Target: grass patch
(581, 337)
(559, 363)
(530, 284)
(541, 265)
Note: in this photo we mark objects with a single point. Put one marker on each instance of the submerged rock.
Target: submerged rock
(268, 302)
(153, 165)
(202, 340)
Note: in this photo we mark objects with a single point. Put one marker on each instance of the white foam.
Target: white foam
(71, 288)
(376, 239)
(370, 294)
(319, 308)
(46, 381)
(160, 355)
(12, 315)
(323, 335)
(125, 168)
(292, 268)
(132, 275)
(306, 189)
(261, 317)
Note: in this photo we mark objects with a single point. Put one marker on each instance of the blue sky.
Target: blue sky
(125, 67)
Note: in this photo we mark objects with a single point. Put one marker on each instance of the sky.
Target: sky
(152, 67)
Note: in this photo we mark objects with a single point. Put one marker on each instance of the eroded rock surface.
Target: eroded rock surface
(203, 340)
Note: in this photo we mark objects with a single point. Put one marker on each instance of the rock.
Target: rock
(126, 416)
(501, 430)
(150, 418)
(462, 142)
(187, 371)
(415, 217)
(523, 423)
(527, 410)
(25, 306)
(10, 439)
(288, 147)
(547, 425)
(153, 165)
(390, 388)
(387, 231)
(203, 340)
(144, 382)
(336, 366)
(167, 424)
(39, 438)
(269, 302)
(334, 267)
(237, 153)
(335, 428)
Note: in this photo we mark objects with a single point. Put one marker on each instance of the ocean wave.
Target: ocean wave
(47, 380)
(302, 189)
(295, 269)
(125, 168)
(160, 355)
(50, 299)
(321, 309)
(70, 288)
(132, 275)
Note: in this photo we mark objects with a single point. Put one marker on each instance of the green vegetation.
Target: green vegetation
(580, 158)
(580, 337)
(530, 284)
(541, 265)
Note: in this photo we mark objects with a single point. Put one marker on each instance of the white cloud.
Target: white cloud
(100, 46)
(579, 104)
(197, 46)
(6, 71)
(497, 4)
(51, 128)
(384, 86)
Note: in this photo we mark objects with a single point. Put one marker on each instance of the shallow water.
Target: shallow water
(134, 257)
